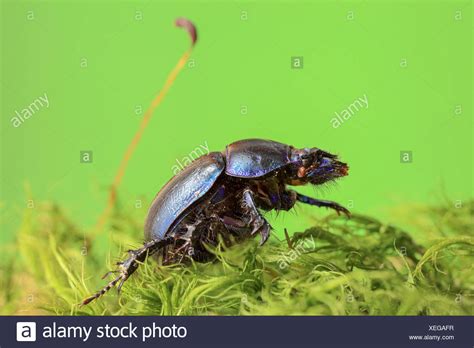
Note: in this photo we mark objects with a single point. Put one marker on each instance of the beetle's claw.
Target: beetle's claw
(109, 273)
(258, 225)
(264, 233)
(340, 209)
(254, 231)
(124, 278)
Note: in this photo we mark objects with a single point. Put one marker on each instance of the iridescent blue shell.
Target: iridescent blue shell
(181, 192)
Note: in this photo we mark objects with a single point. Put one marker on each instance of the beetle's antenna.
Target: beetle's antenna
(189, 26)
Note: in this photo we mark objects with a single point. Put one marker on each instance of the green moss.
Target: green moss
(338, 267)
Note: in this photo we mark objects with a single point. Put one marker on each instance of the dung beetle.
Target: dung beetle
(221, 195)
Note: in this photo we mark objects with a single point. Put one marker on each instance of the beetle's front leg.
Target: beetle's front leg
(257, 222)
(129, 266)
(322, 203)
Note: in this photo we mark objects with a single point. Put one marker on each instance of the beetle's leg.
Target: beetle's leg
(288, 199)
(267, 196)
(321, 203)
(264, 233)
(130, 265)
(109, 273)
(258, 222)
(182, 251)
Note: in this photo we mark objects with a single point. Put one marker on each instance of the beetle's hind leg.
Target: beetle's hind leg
(127, 267)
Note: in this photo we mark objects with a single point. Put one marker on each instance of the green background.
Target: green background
(413, 60)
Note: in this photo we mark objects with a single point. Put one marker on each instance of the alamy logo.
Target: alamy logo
(26, 332)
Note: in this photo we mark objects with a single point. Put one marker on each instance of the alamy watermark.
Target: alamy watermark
(25, 113)
(345, 114)
(301, 248)
(186, 160)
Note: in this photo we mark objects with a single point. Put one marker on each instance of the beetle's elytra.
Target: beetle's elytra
(222, 194)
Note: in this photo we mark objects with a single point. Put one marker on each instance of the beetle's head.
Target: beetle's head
(315, 166)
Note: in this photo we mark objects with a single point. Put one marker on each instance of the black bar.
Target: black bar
(243, 331)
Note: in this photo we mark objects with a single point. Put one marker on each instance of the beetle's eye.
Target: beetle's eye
(306, 159)
(322, 154)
